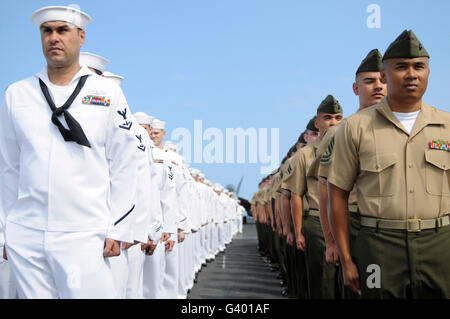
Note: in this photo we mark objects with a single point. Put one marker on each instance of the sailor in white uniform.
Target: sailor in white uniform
(162, 173)
(240, 221)
(119, 264)
(189, 201)
(218, 218)
(171, 274)
(183, 222)
(233, 215)
(146, 221)
(69, 169)
(195, 226)
(223, 227)
(210, 219)
(128, 267)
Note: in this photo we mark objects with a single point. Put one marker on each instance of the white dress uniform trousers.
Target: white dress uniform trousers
(7, 284)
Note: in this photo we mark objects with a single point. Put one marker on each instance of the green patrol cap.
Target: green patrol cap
(372, 62)
(311, 125)
(406, 46)
(330, 105)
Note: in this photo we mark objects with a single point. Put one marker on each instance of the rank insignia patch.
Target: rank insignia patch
(327, 155)
(439, 145)
(126, 125)
(141, 147)
(123, 113)
(96, 100)
(289, 170)
(171, 175)
(160, 161)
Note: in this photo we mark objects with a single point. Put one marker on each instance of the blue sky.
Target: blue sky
(235, 63)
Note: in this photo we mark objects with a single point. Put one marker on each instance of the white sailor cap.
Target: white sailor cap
(143, 118)
(93, 61)
(171, 146)
(217, 187)
(158, 125)
(207, 182)
(201, 175)
(186, 165)
(194, 171)
(71, 14)
(114, 77)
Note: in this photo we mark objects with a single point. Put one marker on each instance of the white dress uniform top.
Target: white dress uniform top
(50, 185)
(40, 171)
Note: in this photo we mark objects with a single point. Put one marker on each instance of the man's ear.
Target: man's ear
(82, 37)
(383, 76)
(355, 88)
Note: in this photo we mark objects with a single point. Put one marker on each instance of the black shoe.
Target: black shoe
(279, 276)
(285, 293)
(195, 280)
(204, 265)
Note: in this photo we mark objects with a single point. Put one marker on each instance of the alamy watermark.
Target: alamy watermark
(374, 19)
(374, 279)
(234, 145)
